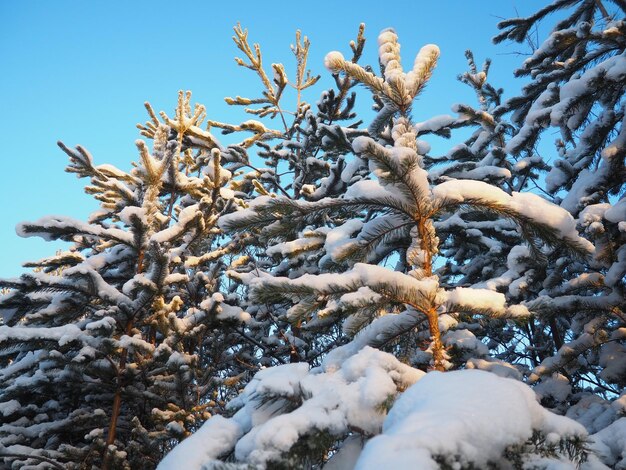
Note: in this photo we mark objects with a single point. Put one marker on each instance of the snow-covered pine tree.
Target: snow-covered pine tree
(578, 79)
(475, 242)
(397, 203)
(115, 350)
(298, 155)
(288, 417)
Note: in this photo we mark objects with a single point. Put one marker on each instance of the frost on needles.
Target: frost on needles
(323, 294)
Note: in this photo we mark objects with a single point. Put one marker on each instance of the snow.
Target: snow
(215, 438)
(135, 343)
(185, 217)
(434, 419)
(402, 157)
(61, 334)
(351, 168)
(363, 297)
(591, 217)
(104, 290)
(613, 357)
(112, 171)
(556, 387)
(225, 221)
(177, 359)
(389, 54)
(226, 193)
(517, 311)
(362, 294)
(462, 190)
(377, 278)
(9, 407)
(612, 69)
(486, 172)
(333, 61)
(617, 213)
(583, 187)
(387, 36)
(495, 366)
(129, 213)
(361, 144)
(333, 398)
(224, 311)
(526, 204)
(232, 312)
(538, 116)
(60, 227)
(337, 238)
(340, 398)
(281, 381)
(573, 348)
(373, 335)
(610, 444)
(466, 418)
(596, 413)
(472, 299)
(175, 427)
(465, 340)
(23, 364)
(175, 278)
(370, 189)
(433, 124)
(347, 455)
(426, 55)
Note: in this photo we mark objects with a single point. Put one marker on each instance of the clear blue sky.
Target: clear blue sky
(79, 71)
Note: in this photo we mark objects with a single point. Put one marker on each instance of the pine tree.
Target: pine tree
(577, 86)
(398, 205)
(305, 160)
(105, 347)
(170, 347)
(388, 212)
(474, 242)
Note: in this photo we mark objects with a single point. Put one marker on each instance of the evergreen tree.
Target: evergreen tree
(475, 242)
(105, 347)
(575, 342)
(303, 161)
(162, 344)
(400, 204)
(403, 310)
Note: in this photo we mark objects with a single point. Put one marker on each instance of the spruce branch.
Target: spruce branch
(284, 209)
(532, 230)
(255, 62)
(357, 46)
(11, 455)
(186, 123)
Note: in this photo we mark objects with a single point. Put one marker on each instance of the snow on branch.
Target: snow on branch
(535, 215)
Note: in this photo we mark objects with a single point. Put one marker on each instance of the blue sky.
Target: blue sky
(80, 71)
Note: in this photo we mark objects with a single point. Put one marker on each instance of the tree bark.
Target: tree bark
(117, 403)
(117, 398)
(435, 336)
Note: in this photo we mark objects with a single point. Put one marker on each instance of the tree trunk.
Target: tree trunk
(117, 398)
(435, 337)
